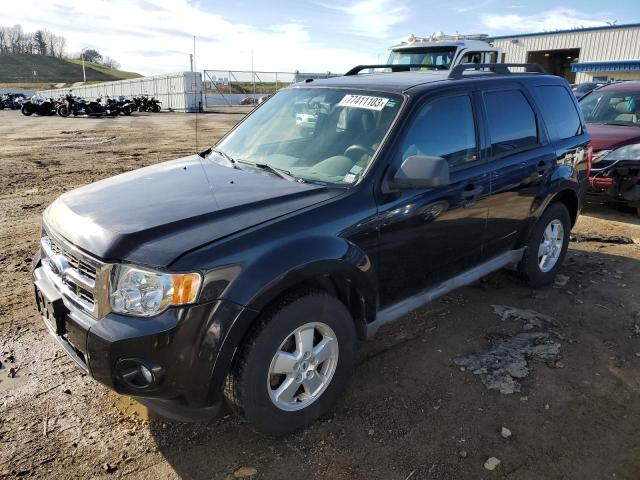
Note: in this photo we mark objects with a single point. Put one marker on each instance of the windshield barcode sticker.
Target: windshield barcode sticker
(363, 101)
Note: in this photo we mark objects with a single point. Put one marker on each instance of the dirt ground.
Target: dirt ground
(410, 412)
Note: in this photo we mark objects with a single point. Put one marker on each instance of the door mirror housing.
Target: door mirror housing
(421, 171)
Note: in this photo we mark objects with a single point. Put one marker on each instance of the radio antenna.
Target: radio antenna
(194, 84)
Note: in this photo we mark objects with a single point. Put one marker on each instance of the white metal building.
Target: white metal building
(579, 55)
(177, 91)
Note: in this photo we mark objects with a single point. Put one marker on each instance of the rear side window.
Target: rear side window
(512, 122)
(443, 128)
(559, 112)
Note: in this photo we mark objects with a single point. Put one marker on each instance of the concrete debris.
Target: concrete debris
(561, 280)
(491, 463)
(463, 454)
(602, 238)
(505, 362)
(505, 432)
(244, 472)
(531, 318)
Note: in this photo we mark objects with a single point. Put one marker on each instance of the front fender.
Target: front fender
(278, 270)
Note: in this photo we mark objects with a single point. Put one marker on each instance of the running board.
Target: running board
(400, 309)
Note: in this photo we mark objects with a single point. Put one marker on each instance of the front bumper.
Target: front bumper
(181, 346)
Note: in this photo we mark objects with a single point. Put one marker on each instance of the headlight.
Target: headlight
(627, 152)
(145, 293)
(597, 157)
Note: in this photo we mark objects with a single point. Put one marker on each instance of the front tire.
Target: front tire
(26, 111)
(547, 246)
(294, 364)
(63, 111)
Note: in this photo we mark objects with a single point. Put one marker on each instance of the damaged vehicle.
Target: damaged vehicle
(612, 114)
(249, 273)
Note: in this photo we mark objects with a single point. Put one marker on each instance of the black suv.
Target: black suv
(252, 270)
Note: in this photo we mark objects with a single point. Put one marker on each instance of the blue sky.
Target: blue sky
(155, 36)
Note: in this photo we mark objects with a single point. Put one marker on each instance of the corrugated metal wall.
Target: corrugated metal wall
(177, 91)
(594, 45)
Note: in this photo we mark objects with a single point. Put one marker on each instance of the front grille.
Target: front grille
(76, 273)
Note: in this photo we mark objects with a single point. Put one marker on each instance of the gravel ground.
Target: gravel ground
(411, 412)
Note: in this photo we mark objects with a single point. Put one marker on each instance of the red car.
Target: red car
(612, 114)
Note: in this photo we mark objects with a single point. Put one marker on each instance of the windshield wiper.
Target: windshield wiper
(282, 173)
(227, 157)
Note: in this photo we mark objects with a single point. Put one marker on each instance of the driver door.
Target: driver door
(430, 235)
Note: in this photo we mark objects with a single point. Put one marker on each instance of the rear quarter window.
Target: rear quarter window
(559, 112)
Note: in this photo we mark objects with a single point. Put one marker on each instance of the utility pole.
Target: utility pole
(191, 60)
(84, 74)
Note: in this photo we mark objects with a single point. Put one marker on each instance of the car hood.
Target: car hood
(153, 215)
(612, 136)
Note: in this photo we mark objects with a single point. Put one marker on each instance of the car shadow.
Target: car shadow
(410, 409)
(605, 210)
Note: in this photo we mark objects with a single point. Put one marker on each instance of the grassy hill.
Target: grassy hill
(20, 68)
(121, 74)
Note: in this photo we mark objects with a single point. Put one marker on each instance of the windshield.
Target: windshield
(612, 107)
(315, 134)
(439, 58)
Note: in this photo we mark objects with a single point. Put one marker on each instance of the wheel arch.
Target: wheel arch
(349, 277)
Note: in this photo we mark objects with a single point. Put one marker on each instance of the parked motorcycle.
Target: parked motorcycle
(70, 105)
(145, 103)
(12, 100)
(39, 106)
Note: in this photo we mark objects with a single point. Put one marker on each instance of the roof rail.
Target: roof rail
(393, 67)
(498, 68)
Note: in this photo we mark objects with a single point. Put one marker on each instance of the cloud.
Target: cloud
(556, 19)
(156, 36)
(470, 7)
(370, 18)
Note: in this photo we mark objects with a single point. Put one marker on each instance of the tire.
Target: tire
(63, 111)
(251, 387)
(26, 111)
(156, 108)
(533, 266)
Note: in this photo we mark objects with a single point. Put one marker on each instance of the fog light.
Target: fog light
(138, 374)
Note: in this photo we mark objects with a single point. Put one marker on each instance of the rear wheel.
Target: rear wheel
(63, 111)
(547, 246)
(294, 364)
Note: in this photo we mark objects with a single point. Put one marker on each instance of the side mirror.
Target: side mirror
(421, 171)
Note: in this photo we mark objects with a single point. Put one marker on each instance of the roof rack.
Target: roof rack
(499, 68)
(393, 67)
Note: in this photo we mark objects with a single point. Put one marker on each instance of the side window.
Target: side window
(472, 57)
(559, 112)
(444, 128)
(491, 57)
(512, 122)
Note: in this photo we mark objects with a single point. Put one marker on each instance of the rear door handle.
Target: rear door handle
(543, 167)
(470, 192)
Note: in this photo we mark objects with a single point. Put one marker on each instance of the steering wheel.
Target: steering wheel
(358, 148)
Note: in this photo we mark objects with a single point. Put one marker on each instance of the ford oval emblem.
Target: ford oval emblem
(58, 264)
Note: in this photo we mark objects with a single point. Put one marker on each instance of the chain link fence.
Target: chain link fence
(243, 87)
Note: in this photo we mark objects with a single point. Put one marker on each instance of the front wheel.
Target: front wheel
(26, 110)
(63, 111)
(547, 246)
(294, 364)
